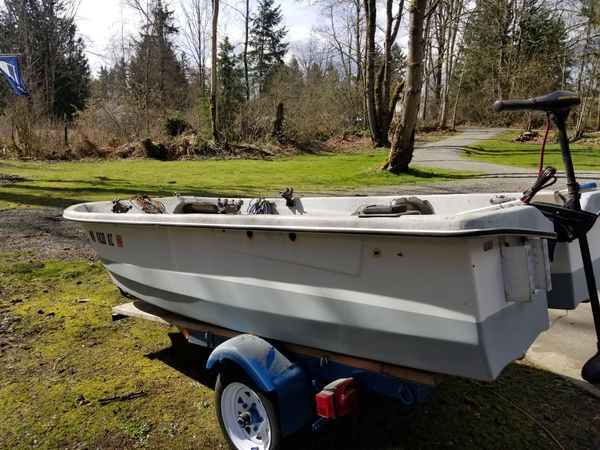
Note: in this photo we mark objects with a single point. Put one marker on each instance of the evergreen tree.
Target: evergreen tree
(512, 49)
(231, 83)
(53, 63)
(267, 47)
(72, 82)
(293, 76)
(111, 82)
(156, 74)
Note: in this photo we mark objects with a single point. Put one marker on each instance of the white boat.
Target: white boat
(462, 291)
(568, 277)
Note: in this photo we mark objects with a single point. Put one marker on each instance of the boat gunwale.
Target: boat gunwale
(472, 233)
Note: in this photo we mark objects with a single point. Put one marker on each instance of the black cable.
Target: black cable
(119, 207)
(545, 179)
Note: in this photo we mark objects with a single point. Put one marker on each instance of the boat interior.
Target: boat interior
(367, 207)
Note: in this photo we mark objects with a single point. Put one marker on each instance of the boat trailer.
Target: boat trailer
(266, 390)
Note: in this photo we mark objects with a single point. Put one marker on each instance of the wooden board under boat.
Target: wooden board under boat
(153, 313)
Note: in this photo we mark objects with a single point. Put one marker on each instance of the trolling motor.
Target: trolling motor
(570, 222)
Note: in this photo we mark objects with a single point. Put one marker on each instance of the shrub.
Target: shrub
(175, 124)
(155, 151)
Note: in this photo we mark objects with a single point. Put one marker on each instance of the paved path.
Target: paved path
(448, 154)
(567, 345)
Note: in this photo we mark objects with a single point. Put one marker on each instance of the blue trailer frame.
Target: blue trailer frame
(289, 374)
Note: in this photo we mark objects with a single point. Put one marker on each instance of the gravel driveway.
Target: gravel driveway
(44, 234)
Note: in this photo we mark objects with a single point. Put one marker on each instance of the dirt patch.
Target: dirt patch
(42, 233)
(347, 143)
(6, 178)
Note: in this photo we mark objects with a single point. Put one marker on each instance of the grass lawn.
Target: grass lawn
(505, 150)
(71, 378)
(65, 183)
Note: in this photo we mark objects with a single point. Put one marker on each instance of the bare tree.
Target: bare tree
(588, 64)
(454, 28)
(313, 52)
(444, 32)
(343, 28)
(381, 96)
(195, 32)
(404, 136)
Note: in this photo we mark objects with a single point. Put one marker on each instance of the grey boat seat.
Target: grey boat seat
(398, 207)
(206, 207)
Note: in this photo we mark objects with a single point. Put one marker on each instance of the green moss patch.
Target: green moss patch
(72, 378)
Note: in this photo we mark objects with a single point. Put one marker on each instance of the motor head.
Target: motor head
(556, 101)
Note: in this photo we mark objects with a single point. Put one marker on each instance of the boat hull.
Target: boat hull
(373, 296)
(478, 350)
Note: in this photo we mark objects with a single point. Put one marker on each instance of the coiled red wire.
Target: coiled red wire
(546, 177)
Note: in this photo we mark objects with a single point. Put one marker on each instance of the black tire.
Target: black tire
(228, 382)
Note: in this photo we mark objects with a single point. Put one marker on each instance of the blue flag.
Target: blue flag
(9, 67)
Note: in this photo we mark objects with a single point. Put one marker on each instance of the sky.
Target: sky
(99, 22)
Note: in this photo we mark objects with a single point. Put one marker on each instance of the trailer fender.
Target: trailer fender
(272, 372)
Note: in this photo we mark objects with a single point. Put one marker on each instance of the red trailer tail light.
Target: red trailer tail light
(325, 404)
(337, 399)
(346, 397)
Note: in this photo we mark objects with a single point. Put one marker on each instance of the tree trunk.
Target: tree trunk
(427, 68)
(380, 108)
(358, 39)
(598, 115)
(385, 103)
(582, 118)
(370, 19)
(457, 96)
(201, 50)
(278, 132)
(146, 86)
(66, 131)
(438, 64)
(245, 54)
(213, 73)
(450, 58)
(360, 87)
(404, 136)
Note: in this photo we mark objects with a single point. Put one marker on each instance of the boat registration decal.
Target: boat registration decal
(106, 238)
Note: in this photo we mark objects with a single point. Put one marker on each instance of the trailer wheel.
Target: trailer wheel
(247, 416)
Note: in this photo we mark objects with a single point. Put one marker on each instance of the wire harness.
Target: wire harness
(261, 205)
(148, 205)
(545, 179)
